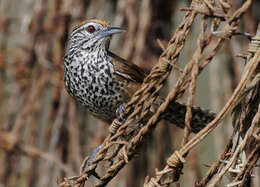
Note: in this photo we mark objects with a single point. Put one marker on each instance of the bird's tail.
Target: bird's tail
(176, 112)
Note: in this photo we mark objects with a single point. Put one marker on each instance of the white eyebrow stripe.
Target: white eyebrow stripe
(77, 30)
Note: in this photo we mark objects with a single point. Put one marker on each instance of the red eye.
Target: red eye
(91, 29)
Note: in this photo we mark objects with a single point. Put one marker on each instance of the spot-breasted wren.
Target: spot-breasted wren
(103, 82)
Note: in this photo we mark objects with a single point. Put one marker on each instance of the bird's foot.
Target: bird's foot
(120, 111)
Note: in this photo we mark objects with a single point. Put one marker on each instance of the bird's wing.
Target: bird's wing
(126, 69)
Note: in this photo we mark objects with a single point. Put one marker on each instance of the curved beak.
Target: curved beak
(109, 31)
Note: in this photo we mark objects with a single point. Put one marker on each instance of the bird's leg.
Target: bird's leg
(90, 159)
(120, 111)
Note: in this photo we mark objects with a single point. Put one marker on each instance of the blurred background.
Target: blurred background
(53, 132)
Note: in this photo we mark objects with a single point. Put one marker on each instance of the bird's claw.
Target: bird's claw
(120, 111)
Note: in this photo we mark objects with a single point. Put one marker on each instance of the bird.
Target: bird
(103, 82)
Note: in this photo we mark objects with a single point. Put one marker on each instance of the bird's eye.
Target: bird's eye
(91, 29)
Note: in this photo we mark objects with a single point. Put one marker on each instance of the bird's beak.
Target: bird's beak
(109, 31)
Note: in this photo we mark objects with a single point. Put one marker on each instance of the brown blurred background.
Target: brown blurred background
(55, 133)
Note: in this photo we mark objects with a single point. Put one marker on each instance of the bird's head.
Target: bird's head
(92, 34)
